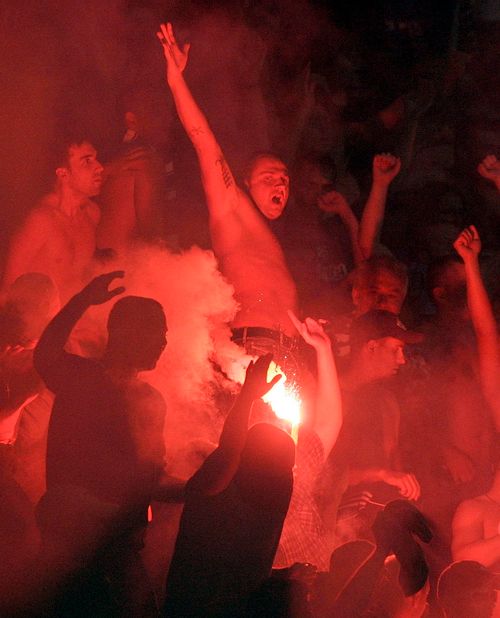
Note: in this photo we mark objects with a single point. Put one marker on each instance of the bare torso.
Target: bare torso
(56, 244)
(253, 261)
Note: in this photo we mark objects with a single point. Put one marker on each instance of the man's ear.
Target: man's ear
(371, 345)
(355, 296)
(130, 121)
(438, 294)
(61, 172)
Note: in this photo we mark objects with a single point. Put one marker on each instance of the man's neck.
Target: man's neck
(494, 492)
(69, 201)
(119, 371)
(357, 374)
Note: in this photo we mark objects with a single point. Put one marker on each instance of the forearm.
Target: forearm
(352, 225)
(487, 551)
(480, 308)
(217, 178)
(328, 404)
(55, 336)
(192, 118)
(235, 428)
(373, 216)
(483, 321)
(365, 475)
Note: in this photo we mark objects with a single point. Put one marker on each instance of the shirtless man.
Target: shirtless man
(476, 528)
(58, 236)
(248, 252)
(476, 524)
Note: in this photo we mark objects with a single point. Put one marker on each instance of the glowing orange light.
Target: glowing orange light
(284, 400)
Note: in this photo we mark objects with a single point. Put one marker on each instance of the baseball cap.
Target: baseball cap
(378, 324)
(461, 577)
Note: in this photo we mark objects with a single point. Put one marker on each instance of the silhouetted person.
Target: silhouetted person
(395, 530)
(105, 456)
(467, 588)
(234, 512)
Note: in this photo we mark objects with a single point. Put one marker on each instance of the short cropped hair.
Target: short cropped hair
(324, 163)
(262, 154)
(436, 273)
(377, 263)
(134, 313)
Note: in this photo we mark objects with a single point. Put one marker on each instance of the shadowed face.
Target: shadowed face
(312, 185)
(83, 175)
(387, 356)
(382, 291)
(137, 330)
(268, 184)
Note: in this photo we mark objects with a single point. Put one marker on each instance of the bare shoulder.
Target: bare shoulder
(472, 508)
(41, 215)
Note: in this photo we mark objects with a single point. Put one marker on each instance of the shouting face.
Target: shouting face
(268, 184)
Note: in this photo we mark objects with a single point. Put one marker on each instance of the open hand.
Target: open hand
(97, 291)
(175, 56)
(256, 384)
(468, 243)
(385, 168)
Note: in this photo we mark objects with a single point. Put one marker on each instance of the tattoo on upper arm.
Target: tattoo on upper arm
(227, 177)
(196, 131)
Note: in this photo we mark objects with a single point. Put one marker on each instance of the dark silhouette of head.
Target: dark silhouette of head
(137, 330)
(467, 588)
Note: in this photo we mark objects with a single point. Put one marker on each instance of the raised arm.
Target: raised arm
(219, 468)
(328, 402)
(50, 356)
(468, 246)
(385, 168)
(218, 182)
(335, 203)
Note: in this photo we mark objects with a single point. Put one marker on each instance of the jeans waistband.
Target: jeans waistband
(241, 334)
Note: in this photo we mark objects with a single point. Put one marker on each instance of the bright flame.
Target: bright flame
(283, 398)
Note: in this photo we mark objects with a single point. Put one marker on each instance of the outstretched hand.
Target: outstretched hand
(468, 243)
(385, 168)
(175, 56)
(489, 168)
(97, 291)
(311, 331)
(256, 384)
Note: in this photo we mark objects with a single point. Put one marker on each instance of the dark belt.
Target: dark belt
(243, 333)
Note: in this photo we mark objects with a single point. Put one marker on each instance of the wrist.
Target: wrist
(471, 262)
(174, 77)
(381, 184)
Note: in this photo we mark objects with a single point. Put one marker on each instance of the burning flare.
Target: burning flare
(283, 399)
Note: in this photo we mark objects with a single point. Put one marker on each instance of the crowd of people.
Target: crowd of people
(360, 243)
